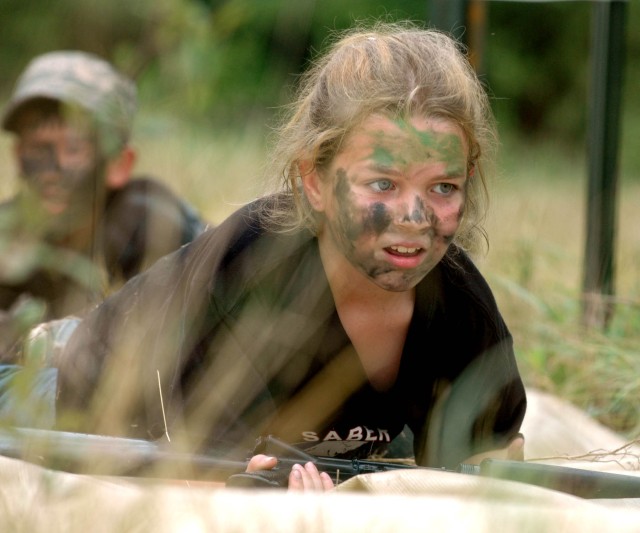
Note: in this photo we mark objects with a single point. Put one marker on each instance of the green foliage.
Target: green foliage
(241, 56)
(538, 59)
(592, 369)
(226, 61)
(535, 266)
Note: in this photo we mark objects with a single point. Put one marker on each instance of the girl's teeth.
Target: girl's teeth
(403, 250)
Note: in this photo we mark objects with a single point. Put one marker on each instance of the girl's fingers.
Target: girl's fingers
(327, 482)
(261, 462)
(308, 478)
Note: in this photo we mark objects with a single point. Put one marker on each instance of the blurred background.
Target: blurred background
(214, 74)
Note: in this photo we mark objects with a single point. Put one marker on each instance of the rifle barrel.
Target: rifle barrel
(114, 456)
(588, 484)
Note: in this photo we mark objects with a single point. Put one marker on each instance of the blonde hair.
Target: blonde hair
(396, 70)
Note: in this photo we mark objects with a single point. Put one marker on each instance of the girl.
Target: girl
(339, 309)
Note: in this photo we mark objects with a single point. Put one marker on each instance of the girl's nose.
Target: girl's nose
(415, 213)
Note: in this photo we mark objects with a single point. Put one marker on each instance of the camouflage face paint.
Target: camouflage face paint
(415, 145)
(382, 156)
(448, 238)
(346, 214)
(357, 221)
(419, 213)
(394, 198)
(46, 162)
(53, 151)
(443, 147)
(378, 218)
(66, 196)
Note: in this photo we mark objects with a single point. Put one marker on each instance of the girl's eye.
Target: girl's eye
(382, 186)
(444, 188)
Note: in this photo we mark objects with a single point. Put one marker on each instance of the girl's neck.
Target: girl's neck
(376, 320)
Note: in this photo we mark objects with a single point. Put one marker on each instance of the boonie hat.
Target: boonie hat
(83, 79)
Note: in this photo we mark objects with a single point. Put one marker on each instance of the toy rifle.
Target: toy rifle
(102, 455)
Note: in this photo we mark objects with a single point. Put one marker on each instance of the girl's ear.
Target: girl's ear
(312, 184)
(119, 168)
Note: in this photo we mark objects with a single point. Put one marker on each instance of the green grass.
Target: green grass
(535, 265)
(536, 228)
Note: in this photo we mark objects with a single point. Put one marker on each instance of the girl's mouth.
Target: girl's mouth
(403, 251)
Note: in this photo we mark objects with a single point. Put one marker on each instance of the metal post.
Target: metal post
(607, 50)
(466, 20)
(477, 16)
(449, 16)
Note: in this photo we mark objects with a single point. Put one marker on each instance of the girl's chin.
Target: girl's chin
(396, 281)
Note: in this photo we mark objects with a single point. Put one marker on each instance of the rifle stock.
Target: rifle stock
(102, 455)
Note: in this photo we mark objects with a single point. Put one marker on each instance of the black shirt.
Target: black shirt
(240, 332)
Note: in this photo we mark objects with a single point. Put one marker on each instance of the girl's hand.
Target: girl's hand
(307, 478)
(301, 478)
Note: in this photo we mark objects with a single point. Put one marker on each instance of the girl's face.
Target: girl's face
(393, 197)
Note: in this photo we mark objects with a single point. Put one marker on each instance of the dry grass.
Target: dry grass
(535, 266)
(216, 171)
